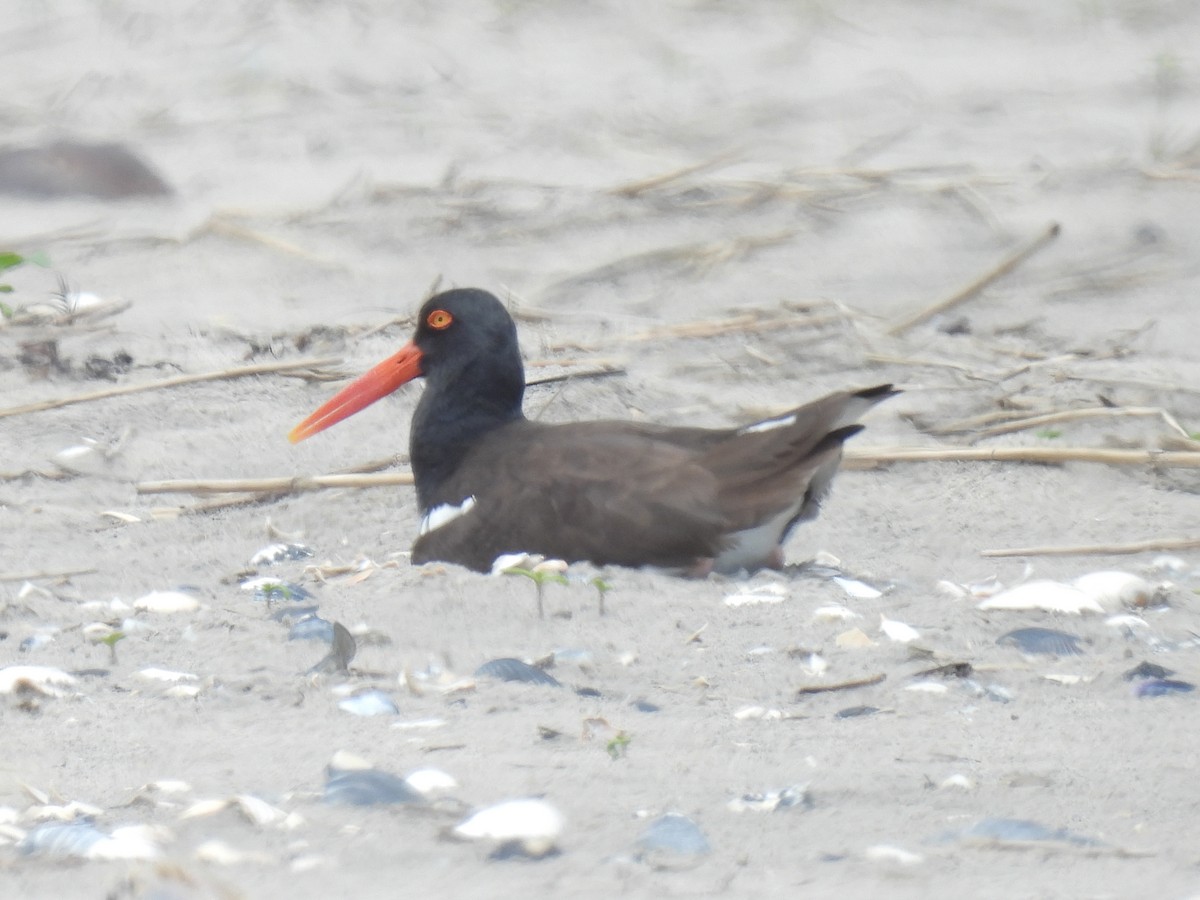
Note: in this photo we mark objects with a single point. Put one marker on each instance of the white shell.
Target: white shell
(859, 590)
(45, 679)
(128, 842)
(897, 631)
(1115, 591)
(506, 561)
(1051, 596)
(763, 593)
(430, 781)
(887, 853)
(166, 602)
(834, 613)
(534, 824)
(927, 687)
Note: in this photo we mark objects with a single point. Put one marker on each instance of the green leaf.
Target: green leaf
(617, 746)
(1049, 434)
(10, 260)
(5, 310)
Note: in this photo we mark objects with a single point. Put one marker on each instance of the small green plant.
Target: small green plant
(112, 640)
(618, 745)
(10, 260)
(603, 587)
(539, 577)
(1049, 434)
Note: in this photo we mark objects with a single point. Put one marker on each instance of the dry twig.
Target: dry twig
(871, 457)
(174, 381)
(1156, 545)
(972, 288)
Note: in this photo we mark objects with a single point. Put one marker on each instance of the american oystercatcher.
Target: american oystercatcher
(490, 481)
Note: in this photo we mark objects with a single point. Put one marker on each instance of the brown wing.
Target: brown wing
(599, 491)
(766, 468)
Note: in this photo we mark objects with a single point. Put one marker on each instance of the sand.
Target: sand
(855, 163)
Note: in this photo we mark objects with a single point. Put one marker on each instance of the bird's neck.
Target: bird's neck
(456, 411)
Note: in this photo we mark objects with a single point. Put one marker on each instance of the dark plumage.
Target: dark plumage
(489, 481)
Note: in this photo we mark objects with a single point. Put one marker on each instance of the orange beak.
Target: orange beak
(362, 392)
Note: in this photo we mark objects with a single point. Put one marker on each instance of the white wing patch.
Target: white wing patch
(769, 425)
(447, 512)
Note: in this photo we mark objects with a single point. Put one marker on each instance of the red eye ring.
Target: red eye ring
(439, 320)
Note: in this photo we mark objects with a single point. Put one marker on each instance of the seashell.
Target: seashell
(893, 855)
(834, 613)
(1066, 679)
(758, 712)
(827, 560)
(253, 809)
(530, 827)
(858, 590)
(37, 641)
(82, 840)
(368, 787)
(1126, 620)
(763, 593)
(1051, 596)
(770, 801)
(311, 628)
(1161, 687)
(43, 680)
(854, 639)
(958, 781)
(1148, 670)
(371, 702)
(506, 561)
(1042, 641)
(508, 669)
(430, 782)
(166, 602)
(815, 664)
(951, 590)
(341, 652)
(274, 554)
(898, 631)
(642, 705)
(673, 834)
(1120, 590)
(927, 687)
(123, 517)
(67, 812)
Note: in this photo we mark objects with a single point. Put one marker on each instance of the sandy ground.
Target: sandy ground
(860, 161)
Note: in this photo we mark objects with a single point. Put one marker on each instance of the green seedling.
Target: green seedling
(618, 745)
(603, 587)
(112, 640)
(1049, 434)
(539, 578)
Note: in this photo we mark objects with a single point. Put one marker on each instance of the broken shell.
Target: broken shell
(509, 669)
(1042, 641)
(166, 602)
(39, 679)
(763, 593)
(673, 834)
(1052, 596)
(1114, 591)
(368, 787)
(429, 782)
(371, 702)
(897, 631)
(167, 675)
(273, 554)
(858, 590)
(82, 840)
(770, 801)
(834, 613)
(888, 853)
(854, 639)
(1161, 687)
(530, 826)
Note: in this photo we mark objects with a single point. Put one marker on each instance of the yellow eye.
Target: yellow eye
(439, 320)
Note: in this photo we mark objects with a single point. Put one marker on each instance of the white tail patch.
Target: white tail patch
(447, 512)
(769, 424)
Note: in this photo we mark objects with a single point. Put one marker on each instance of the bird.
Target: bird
(490, 482)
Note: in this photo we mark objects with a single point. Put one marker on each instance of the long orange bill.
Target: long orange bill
(386, 377)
